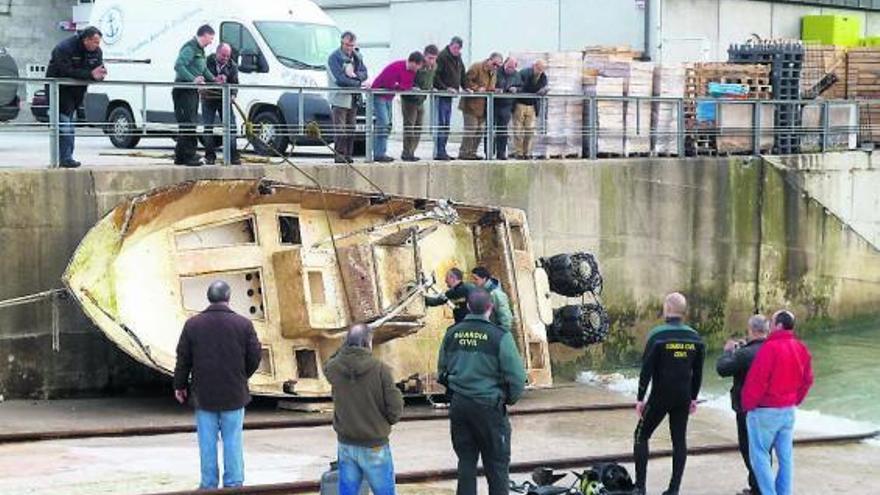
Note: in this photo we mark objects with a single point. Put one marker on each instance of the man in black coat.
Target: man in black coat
(220, 350)
(736, 361)
(224, 69)
(80, 58)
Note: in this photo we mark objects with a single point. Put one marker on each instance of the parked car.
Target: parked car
(40, 107)
(9, 100)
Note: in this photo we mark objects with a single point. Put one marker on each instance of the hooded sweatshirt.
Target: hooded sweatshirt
(365, 399)
(501, 314)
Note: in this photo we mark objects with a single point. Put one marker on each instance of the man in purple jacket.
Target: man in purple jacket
(396, 76)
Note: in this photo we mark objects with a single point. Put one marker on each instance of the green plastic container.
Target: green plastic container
(870, 41)
(840, 30)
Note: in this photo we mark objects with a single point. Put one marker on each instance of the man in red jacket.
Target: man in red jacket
(778, 381)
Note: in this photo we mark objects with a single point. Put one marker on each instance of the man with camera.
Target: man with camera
(736, 361)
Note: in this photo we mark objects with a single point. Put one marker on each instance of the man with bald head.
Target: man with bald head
(673, 366)
(534, 82)
(225, 71)
(217, 352)
(507, 80)
(366, 402)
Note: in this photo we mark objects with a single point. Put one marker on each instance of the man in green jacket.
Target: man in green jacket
(501, 314)
(413, 106)
(191, 67)
(483, 373)
(366, 403)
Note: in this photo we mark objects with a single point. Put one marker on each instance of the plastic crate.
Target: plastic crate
(840, 30)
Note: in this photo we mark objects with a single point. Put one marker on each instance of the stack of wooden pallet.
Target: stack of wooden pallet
(605, 75)
(824, 72)
(564, 115)
(640, 82)
(711, 137)
(669, 82)
(863, 82)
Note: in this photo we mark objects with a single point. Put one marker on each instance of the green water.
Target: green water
(845, 365)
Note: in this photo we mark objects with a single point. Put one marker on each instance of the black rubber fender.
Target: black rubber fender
(579, 325)
(574, 274)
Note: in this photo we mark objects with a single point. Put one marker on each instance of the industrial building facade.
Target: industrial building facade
(677, 30)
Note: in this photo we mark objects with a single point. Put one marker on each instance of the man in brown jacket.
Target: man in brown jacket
(220, 350)
(480, 79)
(366, 403)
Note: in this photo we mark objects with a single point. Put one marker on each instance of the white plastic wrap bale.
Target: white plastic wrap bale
(669, 82)
(605, 75)
(640, 82)
(526, 59)
(564, 116)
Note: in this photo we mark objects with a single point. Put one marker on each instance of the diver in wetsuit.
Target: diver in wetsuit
(673, 365)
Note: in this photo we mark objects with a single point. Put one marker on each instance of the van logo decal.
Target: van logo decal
(110, 25)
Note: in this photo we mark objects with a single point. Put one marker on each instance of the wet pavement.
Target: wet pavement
(170, 462)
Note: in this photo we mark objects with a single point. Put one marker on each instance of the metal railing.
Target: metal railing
(567, 125)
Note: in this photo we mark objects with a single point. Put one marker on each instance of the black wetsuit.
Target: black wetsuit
(673, 365)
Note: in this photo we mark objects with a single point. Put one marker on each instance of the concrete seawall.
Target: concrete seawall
(735, 234)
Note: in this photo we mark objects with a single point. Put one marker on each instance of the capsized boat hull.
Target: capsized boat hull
(303, 265)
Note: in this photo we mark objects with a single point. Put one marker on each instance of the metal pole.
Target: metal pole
(228, 143)
(54, 125)
(826, 125)
(432, 123)
(368, 127)
(301, 113)
(489, 143)
(680, 130)
(756, 128)
(593, 130)
(144, 106)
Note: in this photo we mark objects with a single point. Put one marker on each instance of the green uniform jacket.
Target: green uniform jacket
(479, 360)
(191, 63)
(501, 314)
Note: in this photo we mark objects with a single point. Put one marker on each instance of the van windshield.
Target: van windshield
(299, 45)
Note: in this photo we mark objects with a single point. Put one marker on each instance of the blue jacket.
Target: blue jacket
(337, 78)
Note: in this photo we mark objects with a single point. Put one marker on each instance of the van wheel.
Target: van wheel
(269, 128)
(121, 128)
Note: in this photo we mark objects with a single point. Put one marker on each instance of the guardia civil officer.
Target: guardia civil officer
(483, 374)
(673, 365)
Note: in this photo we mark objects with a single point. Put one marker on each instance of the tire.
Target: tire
(121, 128)
(268, 125)
(573, 275)
(579, 326)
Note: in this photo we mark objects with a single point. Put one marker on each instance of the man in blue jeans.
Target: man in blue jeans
(77, 58)
(399, 75)
(366, 402)
(450, 77)
(778, 381)
(220, 350)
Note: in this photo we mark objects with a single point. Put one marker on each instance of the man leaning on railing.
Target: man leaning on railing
(78, 57)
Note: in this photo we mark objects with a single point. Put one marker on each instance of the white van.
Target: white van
(276, 42)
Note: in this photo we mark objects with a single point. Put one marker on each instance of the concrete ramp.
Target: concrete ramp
(846, 184)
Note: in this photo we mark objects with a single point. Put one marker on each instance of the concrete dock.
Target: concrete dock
(170, 462)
